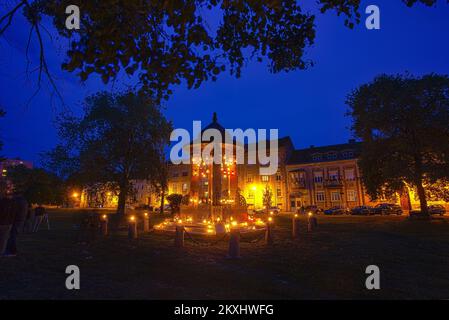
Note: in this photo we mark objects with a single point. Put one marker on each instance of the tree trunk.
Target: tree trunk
(162, 201)
(122, 200)
(419, 186)
(422, 198)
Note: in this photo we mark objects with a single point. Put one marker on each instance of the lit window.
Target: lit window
(265, 178)
(316, 157)
(333, 175)
(249, 178)
(184, 187)
(320, 196)
(348, 154)
(349, 174)
(351, 195)
(279, 192)
(335, 196)
(318, 176)
(332, 156)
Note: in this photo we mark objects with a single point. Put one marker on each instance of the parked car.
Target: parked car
(336, 210)
(437, 209)
(273, 210)
(312, 209)
(167, 209)
(387, 208)
(143, 207)
(362, 210)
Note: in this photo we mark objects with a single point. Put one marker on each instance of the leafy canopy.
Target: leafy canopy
(37, 185)
(404, 124)
(267, 196)
(119, 138)
(164, 43)
(175, 201)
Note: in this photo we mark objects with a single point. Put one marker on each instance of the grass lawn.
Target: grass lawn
(413, 257)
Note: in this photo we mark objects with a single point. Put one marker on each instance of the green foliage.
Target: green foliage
(164, 43)
(267, 196)
(240, 199)
(121, 137)
(175, 201)
(185, 200)
(439, 190)
(404, 124)
(37, 185)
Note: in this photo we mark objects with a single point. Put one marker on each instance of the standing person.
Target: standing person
(6, 222)
(29, 223)
(39, 213)
(20, 209)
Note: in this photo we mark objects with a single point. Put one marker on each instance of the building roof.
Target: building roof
(335, 152)
(213, 125)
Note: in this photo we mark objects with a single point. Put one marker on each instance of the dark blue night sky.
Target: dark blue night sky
(307, 105)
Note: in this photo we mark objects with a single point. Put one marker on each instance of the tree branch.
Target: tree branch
(9, 16)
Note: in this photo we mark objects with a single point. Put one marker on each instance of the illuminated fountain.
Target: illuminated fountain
(210, 227)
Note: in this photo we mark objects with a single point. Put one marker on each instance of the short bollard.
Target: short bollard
(132, 228)
(269, 232)
(104, 225)
(234, 245)
(312, 223)
(179, 237)
(295, 226)
(146, 222)
(220, 228)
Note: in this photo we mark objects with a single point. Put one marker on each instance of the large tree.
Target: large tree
(166, 42)
(37, 185)
(403, 122)
(267, 197)
(121, 137)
